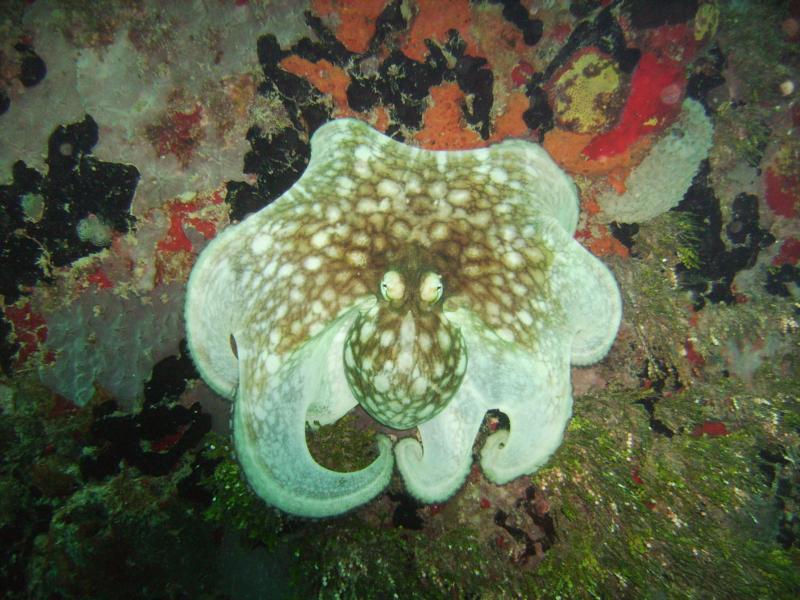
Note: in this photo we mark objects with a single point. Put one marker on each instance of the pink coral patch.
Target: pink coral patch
(789, 253)
(782, 193)
(711, 429)
(30, 330)
(176, 239)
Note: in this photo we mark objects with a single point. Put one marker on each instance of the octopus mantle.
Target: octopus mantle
(429, 287)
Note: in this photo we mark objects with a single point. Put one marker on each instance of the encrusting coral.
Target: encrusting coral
(429, 287)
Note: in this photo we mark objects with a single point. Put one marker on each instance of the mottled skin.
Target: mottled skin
(428, 286)
(403, 359)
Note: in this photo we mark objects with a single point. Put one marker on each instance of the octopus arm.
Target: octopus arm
(270, 423)
(338, 400)
(549, 192)
(533, 390)
(530, 384)
(436, 468)
(589, 297)
(212, 314)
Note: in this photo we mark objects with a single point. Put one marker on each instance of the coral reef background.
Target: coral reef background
(134, 131)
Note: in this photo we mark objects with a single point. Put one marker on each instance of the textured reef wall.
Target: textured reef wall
(133, 133)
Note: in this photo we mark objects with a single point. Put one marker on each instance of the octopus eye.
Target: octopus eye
(431, 287)
(393, 288)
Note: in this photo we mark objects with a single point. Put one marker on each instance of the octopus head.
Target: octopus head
(403, 359)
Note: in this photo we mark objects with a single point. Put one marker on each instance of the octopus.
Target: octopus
(429, 287)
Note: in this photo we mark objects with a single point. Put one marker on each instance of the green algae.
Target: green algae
(751, 37)
(652, 515)
(355, 556)
(346, 445)
(233, 503)
(354, 560)
(68, 534)
(636, 513)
